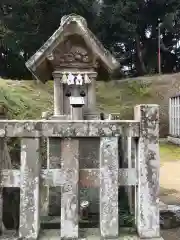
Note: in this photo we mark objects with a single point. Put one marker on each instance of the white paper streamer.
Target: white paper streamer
(64, 78)
(87, 79)
(79, 79)
(70, 79)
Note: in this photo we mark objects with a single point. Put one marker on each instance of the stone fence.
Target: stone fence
(141, 133)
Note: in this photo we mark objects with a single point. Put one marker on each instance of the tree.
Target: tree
(127, 27)
(27, 24)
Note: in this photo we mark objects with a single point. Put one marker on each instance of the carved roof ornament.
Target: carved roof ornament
(72, 55)
(65, 17)
(40, 64)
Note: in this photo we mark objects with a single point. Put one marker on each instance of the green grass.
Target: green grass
(25, 99)
(169, 152)
(121, 98)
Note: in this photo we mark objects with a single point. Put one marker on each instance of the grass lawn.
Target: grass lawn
(169, 152)
(26, 99)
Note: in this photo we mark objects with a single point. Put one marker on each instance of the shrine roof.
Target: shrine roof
(39, 65)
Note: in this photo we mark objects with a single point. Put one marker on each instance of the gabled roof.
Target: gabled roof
(35, 63)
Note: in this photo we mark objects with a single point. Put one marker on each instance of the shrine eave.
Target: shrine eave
(39, 65)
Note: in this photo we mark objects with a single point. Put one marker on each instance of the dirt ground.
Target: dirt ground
(170, 192)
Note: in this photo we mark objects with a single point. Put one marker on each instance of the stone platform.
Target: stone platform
(92, 234)
(88, 233)
(174, 140)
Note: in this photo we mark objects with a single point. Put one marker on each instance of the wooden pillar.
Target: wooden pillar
(148, 165)
(29, 191)
(109, 226)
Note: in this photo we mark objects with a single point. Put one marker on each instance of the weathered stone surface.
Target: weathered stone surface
(29, 192)
(21, 128)
(89, 128)
(87, 233)
(108, 177)
(70, 191)
(56, 177)
(148, 164)
(10, 178)
(109, 226)
(90, 155)
(78, 128)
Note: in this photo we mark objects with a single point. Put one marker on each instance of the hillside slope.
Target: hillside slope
(27, 99)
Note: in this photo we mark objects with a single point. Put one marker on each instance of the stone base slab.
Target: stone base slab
(88, 234)
(174, 140)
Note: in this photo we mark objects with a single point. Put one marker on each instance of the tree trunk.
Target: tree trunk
(142, 68)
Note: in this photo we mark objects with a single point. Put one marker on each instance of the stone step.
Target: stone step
(84, 234)
(169, 216)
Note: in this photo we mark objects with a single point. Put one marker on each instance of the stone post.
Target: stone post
(5, 162)
(29, 190)
(76, 113)
(92, 92)
(147, 212)
(58, 94)
(109, 224)
(44, 190)
(70, 190)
